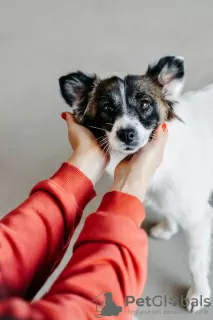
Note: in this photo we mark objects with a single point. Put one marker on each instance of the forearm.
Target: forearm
(34, 236)
(109, 256)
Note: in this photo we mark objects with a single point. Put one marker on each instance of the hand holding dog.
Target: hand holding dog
(87, 156)
(132, 175)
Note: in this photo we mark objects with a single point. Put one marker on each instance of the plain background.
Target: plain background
(42, 40)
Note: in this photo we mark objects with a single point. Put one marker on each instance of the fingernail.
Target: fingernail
(64, 115)
(164, 126)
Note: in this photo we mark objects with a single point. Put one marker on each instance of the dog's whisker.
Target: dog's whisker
(108, 150)
(104, 143)
(105, 150)
(98, 128)
(102, 137)
(103, 140)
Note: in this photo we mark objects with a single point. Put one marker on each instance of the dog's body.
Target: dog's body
(181, 189)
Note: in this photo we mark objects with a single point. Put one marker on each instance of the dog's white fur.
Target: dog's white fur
(181, 187)
(123, 122)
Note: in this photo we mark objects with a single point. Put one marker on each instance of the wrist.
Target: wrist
(90, 163)
(133, 188)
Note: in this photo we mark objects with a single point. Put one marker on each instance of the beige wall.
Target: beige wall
(41, 40)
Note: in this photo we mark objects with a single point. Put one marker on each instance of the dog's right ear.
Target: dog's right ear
(168, 73)
(75, 89)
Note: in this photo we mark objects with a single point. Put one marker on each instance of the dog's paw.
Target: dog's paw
(163, 231)
(196, 301)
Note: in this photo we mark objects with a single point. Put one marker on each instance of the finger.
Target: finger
(67, 116)
(126, 160)
(121, 166)
(160, 135)
(70, 119)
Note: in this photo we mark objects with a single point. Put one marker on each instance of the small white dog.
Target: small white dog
(123, 115)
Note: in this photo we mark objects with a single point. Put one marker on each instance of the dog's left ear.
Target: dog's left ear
(76, 88)
(168, 73)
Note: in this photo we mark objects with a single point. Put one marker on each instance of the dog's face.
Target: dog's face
(123, 113)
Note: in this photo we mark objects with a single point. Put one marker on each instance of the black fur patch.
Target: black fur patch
(137, 97)
(75, 88)
(108, 98)
(108, 105)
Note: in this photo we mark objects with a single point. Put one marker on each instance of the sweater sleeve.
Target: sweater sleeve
(34, 236)
(109, 263)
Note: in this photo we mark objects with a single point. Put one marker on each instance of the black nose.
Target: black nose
(126, 135)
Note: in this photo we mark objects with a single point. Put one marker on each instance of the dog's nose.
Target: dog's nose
(126, 135)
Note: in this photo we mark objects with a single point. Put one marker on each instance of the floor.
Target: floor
(44, 39)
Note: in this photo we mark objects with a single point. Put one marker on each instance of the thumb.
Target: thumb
(126, 160)
(69, 118)
(160, 135)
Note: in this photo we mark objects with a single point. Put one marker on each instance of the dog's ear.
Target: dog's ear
(75, 89)
(168, 73)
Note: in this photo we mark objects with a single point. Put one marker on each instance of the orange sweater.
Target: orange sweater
(110, 254)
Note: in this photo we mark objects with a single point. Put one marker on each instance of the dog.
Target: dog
(123, 114)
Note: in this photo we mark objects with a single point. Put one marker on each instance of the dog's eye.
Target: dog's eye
(145, 104)
(107, 108)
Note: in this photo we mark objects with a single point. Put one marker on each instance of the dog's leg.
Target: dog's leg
(199, 241)
(165, 229)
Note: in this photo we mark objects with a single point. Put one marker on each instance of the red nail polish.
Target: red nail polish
(64, 115)
(164, 126)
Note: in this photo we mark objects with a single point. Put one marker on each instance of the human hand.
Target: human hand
(132, 175)
(87, 156)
